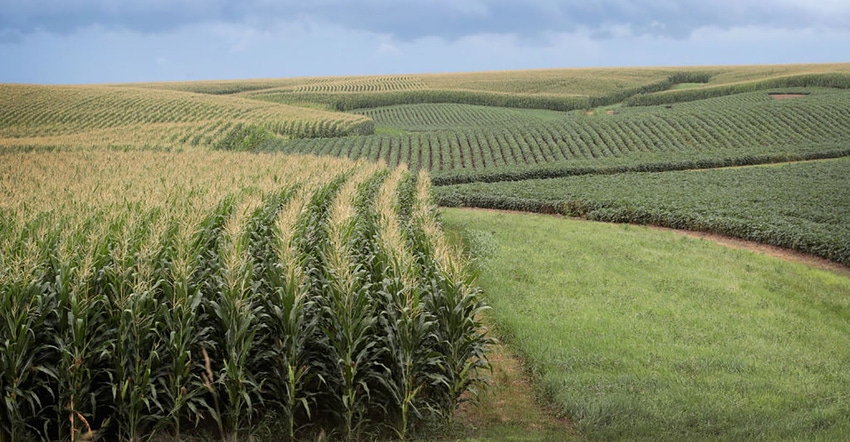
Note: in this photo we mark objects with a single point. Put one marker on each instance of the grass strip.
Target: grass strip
(637, 334)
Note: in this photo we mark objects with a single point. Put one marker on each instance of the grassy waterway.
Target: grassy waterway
(638, 334)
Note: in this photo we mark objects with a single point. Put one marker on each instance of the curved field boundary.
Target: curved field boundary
(830, 80)
(349, 101)
(802, 206)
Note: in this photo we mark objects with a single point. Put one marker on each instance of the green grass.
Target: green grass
(639, 334)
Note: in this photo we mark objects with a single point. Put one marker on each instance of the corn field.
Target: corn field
(119, 116)
(148, 294)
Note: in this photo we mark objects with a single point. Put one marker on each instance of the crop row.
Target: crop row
(144, 292)
(429, 117)
(793, 127)
(364, 84)
(637, 88)
(51, 111)
(801, 206)
(523, 91)
(345, 102)
(830, 80)
(598, 82)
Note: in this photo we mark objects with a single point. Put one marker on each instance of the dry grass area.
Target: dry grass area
(511, 402)
(786, 96)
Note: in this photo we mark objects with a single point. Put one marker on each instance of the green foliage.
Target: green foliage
(832, 80)
(125, 323)
(26, 373)
(799, 206)
(459, 143)
(345, 102)
(244, 137)
(640, 334)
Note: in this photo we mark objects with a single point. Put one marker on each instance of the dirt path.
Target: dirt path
(728, 241)
(510, 402)
(786, 96)
(764, 249)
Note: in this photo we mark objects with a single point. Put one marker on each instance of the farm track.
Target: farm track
(724, 240)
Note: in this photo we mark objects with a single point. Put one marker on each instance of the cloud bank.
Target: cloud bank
(409, 20)
(136, 40)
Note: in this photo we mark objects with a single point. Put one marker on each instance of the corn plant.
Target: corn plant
(24, 372)
(134, 314)
(312, 235)
(135, 364)
(415, 365)
(348, 320)
(183, 335)
(25, 346)
(240, 318)
(191, 258)
(290, 318)
(292, 323)
(82, 336)
(145, 308)
(450, 294)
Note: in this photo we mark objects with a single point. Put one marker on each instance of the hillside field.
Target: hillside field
(265, 257)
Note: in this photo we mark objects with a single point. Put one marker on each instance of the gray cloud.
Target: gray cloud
(408, 20)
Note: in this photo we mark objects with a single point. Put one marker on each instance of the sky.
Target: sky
(117, 41)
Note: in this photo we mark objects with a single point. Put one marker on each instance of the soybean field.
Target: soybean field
(800, 206)
(461, 143)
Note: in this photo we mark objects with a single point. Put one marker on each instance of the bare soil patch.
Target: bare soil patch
(786, 96)
(510, 399)
(764, 249)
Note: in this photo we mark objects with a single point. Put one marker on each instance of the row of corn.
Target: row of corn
(148, 294)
